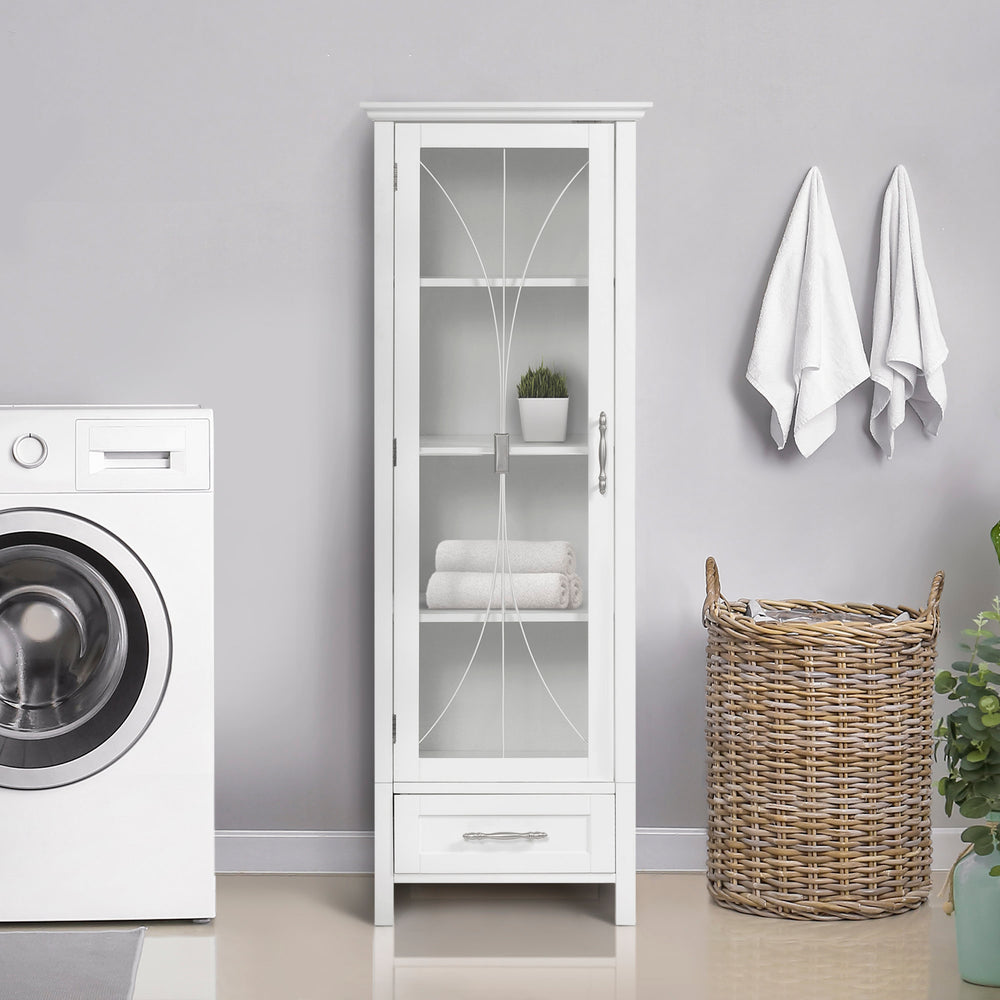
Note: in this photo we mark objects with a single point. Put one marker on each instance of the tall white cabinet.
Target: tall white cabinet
(504, 669)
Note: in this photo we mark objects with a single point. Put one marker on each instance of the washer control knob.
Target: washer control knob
(29, 451)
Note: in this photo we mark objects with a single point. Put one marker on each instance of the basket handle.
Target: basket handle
(713, 590)
(937, 585)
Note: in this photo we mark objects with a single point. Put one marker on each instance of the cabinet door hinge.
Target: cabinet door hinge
(393, 727)
(394, 453)
(395, 177)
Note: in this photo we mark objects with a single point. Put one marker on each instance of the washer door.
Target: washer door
(84, 648)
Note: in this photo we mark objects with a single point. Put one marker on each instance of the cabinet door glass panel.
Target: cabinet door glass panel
(502, 578)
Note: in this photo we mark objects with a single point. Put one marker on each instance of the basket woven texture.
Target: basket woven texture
(819, 756)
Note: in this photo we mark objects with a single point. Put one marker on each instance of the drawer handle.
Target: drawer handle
(507, 835)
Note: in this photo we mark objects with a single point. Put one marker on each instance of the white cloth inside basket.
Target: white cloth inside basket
(760, 614)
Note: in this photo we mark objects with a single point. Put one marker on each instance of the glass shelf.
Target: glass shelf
(555, 282)
(470, 615)
(446, 445)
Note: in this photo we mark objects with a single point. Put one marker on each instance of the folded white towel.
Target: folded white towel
(575, 591)
(549, 591)
(480, 556)
(807, 353)
(908, 348)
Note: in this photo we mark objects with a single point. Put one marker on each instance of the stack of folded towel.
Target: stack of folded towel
(542, 576)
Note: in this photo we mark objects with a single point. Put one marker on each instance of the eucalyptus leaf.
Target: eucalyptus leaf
(944, 682)
(969, 730)
(973, 833)
(975, 808)
(966, 689)
(988, 704)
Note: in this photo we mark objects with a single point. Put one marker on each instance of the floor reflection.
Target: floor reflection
(779, 959)
(177, 963)
(550, 941)
(300, 937)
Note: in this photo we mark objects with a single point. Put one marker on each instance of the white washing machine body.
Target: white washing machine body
(106, 664)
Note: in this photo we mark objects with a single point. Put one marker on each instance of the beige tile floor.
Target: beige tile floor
(302, 937)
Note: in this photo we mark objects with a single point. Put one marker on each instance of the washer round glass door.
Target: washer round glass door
(84, 648)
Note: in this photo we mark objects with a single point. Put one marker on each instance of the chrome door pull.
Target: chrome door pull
(501, 453)
(602, 454)
(507, 835)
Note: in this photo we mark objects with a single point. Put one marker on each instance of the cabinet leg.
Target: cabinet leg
(384, 885)
(625, 853)
(625, 900)
(384, 903)
(383, 964)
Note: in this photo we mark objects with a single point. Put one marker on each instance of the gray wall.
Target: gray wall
(185, 216)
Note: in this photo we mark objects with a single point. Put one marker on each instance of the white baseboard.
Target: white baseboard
(658, 849)
(294, 851)
(683, 849)
(670, 849)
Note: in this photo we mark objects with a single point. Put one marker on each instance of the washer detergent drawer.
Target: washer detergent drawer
(133, 455)
(497, 834)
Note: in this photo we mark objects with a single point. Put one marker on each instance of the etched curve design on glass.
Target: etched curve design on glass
(502, 570)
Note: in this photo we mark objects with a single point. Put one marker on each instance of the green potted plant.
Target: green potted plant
(543, 403)
(969, 737)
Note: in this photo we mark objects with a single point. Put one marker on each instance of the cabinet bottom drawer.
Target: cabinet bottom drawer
(499, 834)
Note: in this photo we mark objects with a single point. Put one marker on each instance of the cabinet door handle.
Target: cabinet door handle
(507, 835)
(602, 454)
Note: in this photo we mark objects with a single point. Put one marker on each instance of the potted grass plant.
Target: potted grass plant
(969, 737)
(543, 403)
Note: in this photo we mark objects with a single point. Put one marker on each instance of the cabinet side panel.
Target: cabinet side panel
(625, 361)
(383, 351)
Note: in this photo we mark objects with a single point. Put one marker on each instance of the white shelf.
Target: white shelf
(455, 282)
(470, 615)
(481, 444)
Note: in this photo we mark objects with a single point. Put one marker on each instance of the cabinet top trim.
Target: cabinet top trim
(505, 111)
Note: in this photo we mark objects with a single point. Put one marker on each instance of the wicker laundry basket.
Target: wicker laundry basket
(819, 755)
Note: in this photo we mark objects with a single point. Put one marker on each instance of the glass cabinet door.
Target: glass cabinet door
(503, 574)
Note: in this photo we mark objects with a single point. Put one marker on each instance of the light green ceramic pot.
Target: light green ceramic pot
(977, 917)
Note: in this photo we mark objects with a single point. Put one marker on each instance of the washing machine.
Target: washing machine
(106, 664)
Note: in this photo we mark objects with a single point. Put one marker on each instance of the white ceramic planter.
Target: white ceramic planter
(543, 419)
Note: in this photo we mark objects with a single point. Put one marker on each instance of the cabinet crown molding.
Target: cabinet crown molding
(505, 111)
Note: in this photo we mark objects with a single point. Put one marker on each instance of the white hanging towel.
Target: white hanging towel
(807, 353)
(908, 349)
